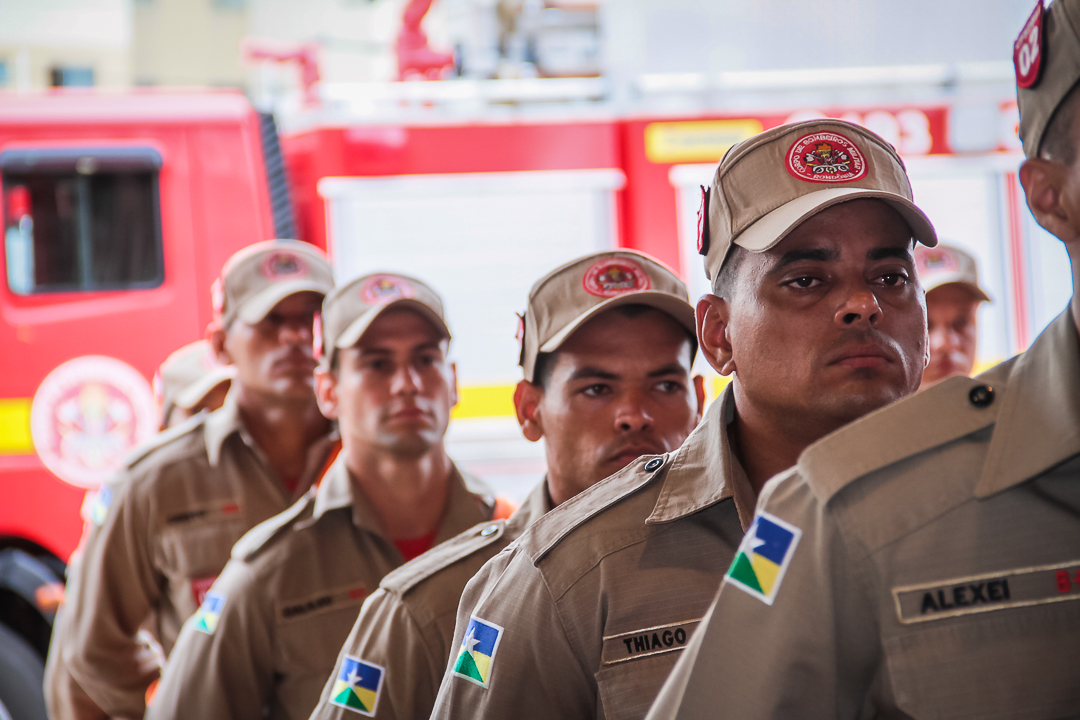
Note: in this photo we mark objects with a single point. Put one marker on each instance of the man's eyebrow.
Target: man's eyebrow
(882, 253)
(669, 369)
(593, 372)
(376, 350)
(816, 254)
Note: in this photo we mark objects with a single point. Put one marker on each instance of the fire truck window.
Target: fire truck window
(84, 230)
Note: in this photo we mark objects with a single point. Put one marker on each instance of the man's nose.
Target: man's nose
(861, 308)
(632, 415)
(405, 381)
(297, 332)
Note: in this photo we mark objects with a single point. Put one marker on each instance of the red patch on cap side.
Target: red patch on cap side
(935, 260)
(1028, 49)
(827, 157)
(283, 266)
(611, 277)
(381, 289)
(217, 298)
(703, 222)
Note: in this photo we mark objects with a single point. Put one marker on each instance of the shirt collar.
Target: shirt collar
(536, 504)
(336, 491)
(704, 470)
(219, 425)
(1038, 423)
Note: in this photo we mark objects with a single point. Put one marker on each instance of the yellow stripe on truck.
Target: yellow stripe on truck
(485, 401)
(15, 427)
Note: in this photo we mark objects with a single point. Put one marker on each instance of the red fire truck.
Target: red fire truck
(118, 211)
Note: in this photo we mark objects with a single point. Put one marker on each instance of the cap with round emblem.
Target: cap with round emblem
(350, 309)
(767, 185)
(948, 265)
(568, 297)
(188, 375)
(260, 276)
(1046, 56)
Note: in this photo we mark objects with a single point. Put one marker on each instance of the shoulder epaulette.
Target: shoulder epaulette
(443, 555)
(164, 438)
(258, 537)
(946, 412)
(549, 530)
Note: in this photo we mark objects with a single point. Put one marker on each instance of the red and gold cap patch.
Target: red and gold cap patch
(610, 277)
(936, 260)
(703, 222)
(382, 289)
(826, 157)
(1028, 49)
(283, 266)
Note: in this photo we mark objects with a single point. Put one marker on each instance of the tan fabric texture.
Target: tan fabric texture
(169, 520)
(599, 596)
(407, 626)
(937, 571)
(291, 593)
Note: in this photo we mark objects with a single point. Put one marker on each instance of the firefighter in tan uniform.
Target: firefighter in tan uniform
(190, 381)
(161, 531)
(599, 398)
(950, 277)
(807, 235)
(925, 562)
(265, 639)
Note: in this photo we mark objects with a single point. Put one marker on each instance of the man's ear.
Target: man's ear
(699, 392)
(713, 314)
(326, 391)
(527, 407)
(217, 337)
(1043, 182)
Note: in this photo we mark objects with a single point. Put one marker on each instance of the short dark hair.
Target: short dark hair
(725, 281)
(546, 362)
(1058, 140)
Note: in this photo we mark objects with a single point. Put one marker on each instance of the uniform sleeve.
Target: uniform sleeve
(386, 634)
(812, 654)
(533, 671)
(64, 698)
(113, 591)
(222, 666)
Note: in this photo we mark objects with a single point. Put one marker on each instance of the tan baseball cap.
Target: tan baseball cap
(1046, 57)
(946, 265)
(260, 276)
(768, 184)
(569, 296)
(188, 375)
(350, 309)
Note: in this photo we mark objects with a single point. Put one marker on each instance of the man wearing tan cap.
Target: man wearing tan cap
(265, 639)
(950, 277)
(161, 531)
(930, 553)
(807, 235)
(190, 381)
(599, 398)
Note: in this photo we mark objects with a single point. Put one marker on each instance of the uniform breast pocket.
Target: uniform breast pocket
(627, 689)
(198, 549)
(1018, 662)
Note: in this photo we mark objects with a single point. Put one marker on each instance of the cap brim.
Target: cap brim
(955, 279)
(260, 305)
(775, 226)
(194, 393)
(356, 329)
(679, 309)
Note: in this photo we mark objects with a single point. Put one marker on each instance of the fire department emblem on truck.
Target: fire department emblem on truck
(610, 277)
(87, 415)
(825, 157)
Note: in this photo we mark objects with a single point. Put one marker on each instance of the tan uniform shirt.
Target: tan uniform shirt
(936, 568)
(586, 613)
(168, 522)
(406, 627)
(265, 641)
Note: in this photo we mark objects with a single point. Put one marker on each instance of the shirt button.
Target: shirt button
(488, 530)
(981, 396)
(654, 464)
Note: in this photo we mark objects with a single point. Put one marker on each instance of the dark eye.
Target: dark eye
(894, 279)
(595, 390)
(669, 386)
(804, 282)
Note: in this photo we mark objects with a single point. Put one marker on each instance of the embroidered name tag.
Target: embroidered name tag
(647, 641)
(221, 510)
(984, 593)
(323, 602)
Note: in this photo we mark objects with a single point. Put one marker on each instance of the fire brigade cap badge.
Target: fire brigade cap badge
(826, 157)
